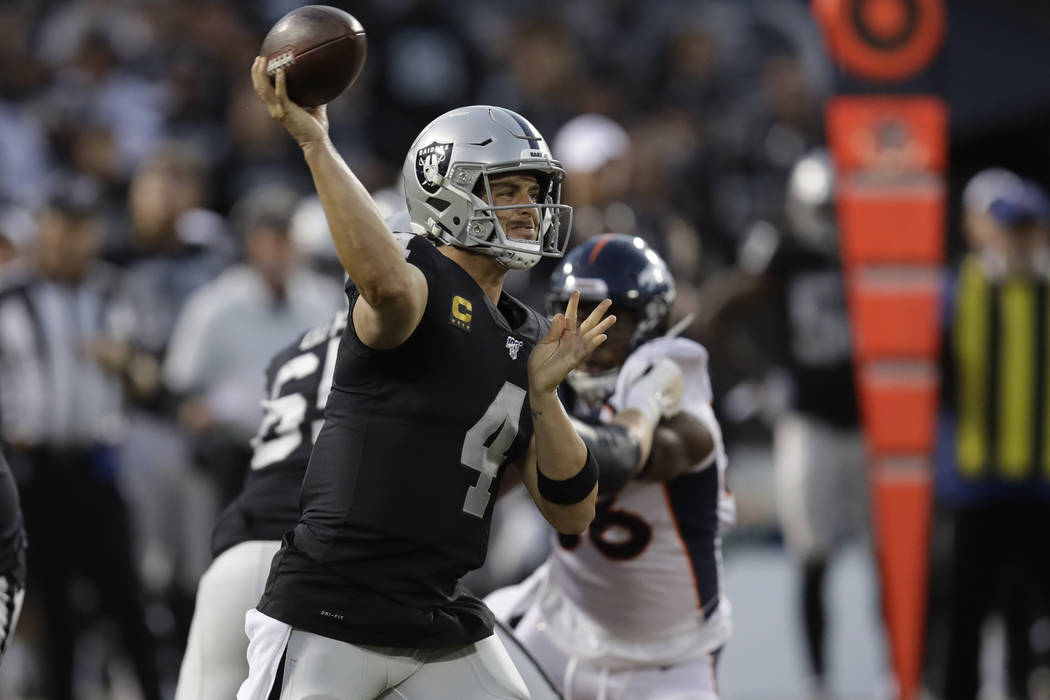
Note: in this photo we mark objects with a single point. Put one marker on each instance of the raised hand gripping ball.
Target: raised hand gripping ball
(321, 49)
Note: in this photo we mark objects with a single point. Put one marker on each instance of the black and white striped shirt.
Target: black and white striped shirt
(12, 529)
(52, 391)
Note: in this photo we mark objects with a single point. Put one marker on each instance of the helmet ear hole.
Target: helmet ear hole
(438, 204)
(545, 181)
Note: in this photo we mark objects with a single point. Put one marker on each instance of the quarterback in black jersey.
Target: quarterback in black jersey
(248, 532)
(427, 408)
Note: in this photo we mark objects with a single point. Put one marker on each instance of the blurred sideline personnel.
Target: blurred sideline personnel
(61, 314)
(818, 448)
(993, 450)
(427, 408)
(254, 306)
(249, 530)
(175, 247)
(12, 556)
(634, 608)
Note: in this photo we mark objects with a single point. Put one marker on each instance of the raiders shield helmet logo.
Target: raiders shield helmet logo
(432, 165)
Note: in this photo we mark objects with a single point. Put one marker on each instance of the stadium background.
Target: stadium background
(719, 98)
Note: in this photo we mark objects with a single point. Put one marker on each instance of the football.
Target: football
(321, 49)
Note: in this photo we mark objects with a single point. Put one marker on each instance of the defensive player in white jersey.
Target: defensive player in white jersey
(634, 608)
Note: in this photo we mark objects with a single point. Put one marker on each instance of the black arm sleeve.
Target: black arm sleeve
(616, 452)
(12, 534)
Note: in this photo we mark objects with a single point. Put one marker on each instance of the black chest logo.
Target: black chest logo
(432, 165)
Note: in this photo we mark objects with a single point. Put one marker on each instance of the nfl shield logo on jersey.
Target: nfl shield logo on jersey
(432, 165)
(513, 345)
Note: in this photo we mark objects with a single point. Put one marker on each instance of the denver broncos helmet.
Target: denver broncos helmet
(626, 270)
(449, 166)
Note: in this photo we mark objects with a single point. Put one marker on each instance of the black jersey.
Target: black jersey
(812, 291)
(12, 532)
(297, 383)
(398, 495)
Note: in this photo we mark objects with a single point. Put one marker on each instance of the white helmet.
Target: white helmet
(810, 202)
(454, 157)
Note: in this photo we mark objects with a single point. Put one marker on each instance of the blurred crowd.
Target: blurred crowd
(145, 188)
(159, 241)
(716, 101)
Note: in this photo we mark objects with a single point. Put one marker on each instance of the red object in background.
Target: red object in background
(888, 135)
(892, 225)
(899, 404)
(902, 496)
(887, 308)
(891, 153)
(882, 40)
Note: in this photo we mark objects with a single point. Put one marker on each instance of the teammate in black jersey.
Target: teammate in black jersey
(12, 556)
(427, 408)
(249, 531)
(818, 449)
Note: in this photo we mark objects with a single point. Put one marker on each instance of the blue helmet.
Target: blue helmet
(622, 268)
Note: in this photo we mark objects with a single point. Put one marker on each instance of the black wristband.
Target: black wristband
(566, 492)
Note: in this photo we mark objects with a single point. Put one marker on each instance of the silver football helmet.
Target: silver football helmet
(810, 202)
(447, 171)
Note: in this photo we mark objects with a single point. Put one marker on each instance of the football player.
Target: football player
(427, 409)
(249, 530)
(818, 448)
(634, 607)
(12, 556)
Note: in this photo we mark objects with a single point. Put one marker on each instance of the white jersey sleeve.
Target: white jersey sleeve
(691, 357)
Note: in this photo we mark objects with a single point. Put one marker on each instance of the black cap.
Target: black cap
(269, 205)
(75, 198)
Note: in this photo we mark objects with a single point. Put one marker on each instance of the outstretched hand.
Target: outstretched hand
(566, 345)
(306, 125)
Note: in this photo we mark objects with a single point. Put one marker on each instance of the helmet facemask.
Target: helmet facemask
(469, 185)
(593, 388)
(649, 321)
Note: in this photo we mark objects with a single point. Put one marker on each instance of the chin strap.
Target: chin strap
(514, 260)
(679, 328)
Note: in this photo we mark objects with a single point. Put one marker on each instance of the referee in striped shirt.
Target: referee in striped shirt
(61, 414)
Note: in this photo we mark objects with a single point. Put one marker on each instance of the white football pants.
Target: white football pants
(216, 659)
(821, 484)
(319, 668)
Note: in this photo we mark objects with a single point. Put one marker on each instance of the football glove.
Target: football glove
(654, 388)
